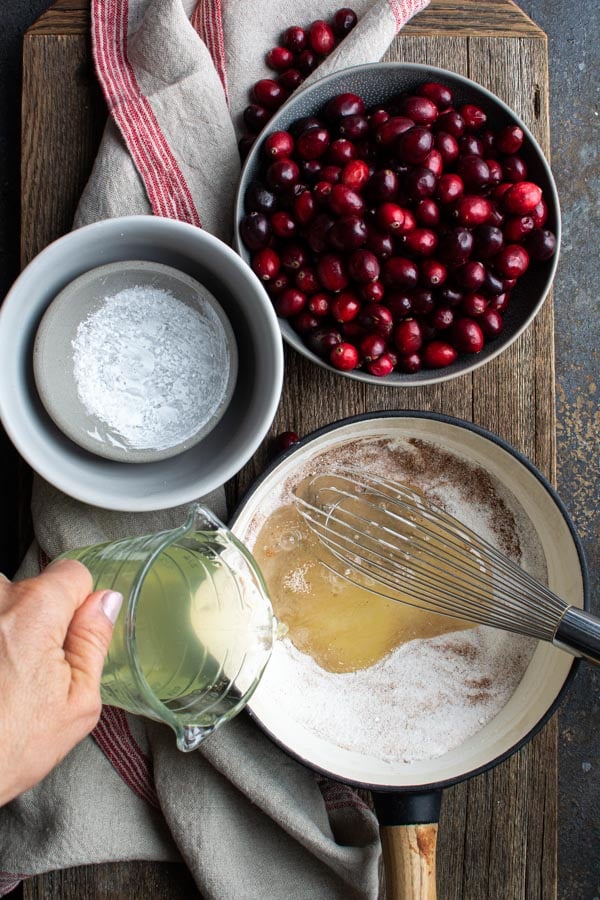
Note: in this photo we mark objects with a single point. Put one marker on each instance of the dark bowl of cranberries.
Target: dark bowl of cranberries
(403, 220)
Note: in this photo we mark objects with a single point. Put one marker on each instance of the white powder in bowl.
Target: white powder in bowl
(150, 368)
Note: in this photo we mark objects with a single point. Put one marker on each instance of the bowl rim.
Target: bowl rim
(111, 498)
(396, 380)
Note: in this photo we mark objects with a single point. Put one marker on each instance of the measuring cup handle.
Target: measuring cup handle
(408, 825)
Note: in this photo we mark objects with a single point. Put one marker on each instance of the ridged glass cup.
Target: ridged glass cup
(196, 628)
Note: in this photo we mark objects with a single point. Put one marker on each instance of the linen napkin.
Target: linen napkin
(248, 821)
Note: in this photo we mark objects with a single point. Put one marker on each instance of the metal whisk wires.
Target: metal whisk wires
(387, 538)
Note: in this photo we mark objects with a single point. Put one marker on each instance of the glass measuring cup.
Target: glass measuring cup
(196, 628)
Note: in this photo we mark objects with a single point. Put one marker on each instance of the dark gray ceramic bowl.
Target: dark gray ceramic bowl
(377, 83)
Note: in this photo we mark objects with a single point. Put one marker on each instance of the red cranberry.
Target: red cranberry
(355, 174)
(322, 191)
(372, 346)
(509, 140)
(380, 244)
(408, 337)
(514, 168)
(497, 217)
(255, 230)
(421, 241)
(279, 145)
(433, 273)
(474, 172)
(419, 182)
(496, 173)
(293, 256)
(410, 363)
(283, 173)
(319, 303)
(363, 266)
(473, 116)
(305, 322)
(266, 264)
(290, 303)
(382, 185)
(438, 355)
(323, 340)
(256, 117)
(512, 261)
(305, 208)
(400, 272)
(399, 304)
(280, 58)
(344, 21)
(450, 296)
(517, 228)
(456, 247)
(449, 188)
(344, 201)
(452, 122)
(341, 151)
(540, 214)
(284, 441)
(312, 143)
(522, 198)
(290, 79)
(332, 272)
(345, 306)
(377, 118)
(447, 145)
(351, 331)
(306, 62)
(492, 284)
(434, 162)
(376, 317)
(469, 145)
(321, 37)
(391, 129)
(307, 281)
(491, 323)
(389, 217)
(474, 304)
(488, 241)
(268, 93)
(413, 145)
(427, 212)
(278, 284)
(471, 275)
(421, 110)
(310, 170)
(295, 38)
(344, 356)
(348, 233)
(372, 291)
(541, 244)
(382, 366)
(353, 127)
(282, 224)
(344, 105)
(439, 93)
(442, 318)
(318, 231)
(467, 336)
(259, 199)
(423, 303)
(332, 174)
(409, 224)
(500, 302)
(472, 210)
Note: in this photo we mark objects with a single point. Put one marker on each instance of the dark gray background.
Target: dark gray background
(574, 38)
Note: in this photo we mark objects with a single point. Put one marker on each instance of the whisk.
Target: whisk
(386, 537)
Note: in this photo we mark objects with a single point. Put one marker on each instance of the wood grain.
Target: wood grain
(497, 838)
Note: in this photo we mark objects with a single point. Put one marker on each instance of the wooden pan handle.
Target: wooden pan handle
(408, 829)
(409, 861)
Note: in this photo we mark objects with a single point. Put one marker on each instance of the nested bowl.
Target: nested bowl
(376, 84)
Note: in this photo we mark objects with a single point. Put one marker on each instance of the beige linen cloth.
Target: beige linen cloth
(248, 821)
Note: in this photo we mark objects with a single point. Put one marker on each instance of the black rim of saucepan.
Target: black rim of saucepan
(421, 803)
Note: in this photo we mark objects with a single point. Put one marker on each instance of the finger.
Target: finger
(56, 594)
(5, 599)
(86, 645)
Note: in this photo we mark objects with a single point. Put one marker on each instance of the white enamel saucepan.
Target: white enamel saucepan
(407, 795)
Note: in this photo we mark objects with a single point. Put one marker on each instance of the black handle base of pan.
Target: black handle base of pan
(404, 808)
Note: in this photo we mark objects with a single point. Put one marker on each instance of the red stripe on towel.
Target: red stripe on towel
(114, 738)
(403, 10)
(9, 881)
(207, 19)
(165, 184)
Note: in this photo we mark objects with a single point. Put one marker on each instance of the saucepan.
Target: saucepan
(407, 794)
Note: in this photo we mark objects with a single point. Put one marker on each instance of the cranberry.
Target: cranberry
(450, 296)
(474, 304)
(488, 241)
(323, 340)
(474, 172)
(442, 318)
(295, 38)
(279, 145)
(319, 303)
(410, 363)
(540, 214)
(321, 37)
(351, 331)
(522, 198)
(456, 247)
(409, 224)
(278, 284)
(382, 366)
(282, 224)
(512, 261)
(472, 210)
(449, 188)
(304, 322)
(491, 323)
(447, 146)
(413, 145)
(492, 284)
(382, 185)
(305, 208)
(438, 355)
(381, 244)
(432, 272)
(372, 346)
(322, 191)
(307, 281)
(255, 230)
(471, 275)
(290, 79)
(391, 129)
(488, 138)
(400, 272)
(344, 21)
(514, 168)
(353, 127)
(344, 356)
(399, 304)
(344, 201)
(310, 170)
(363, 266)
(420, 109)
(377, 118)
(355, 174)
(317, 233)
(348, 233)
(376, 317)
(541, 244)
(345, 306)
(293, 256)
(419, 182)
(284, 441)
(440, 94)
(280, 58)
(500, 302)
(283, 173)
(517, 228)
(312, 143)
(467, 336)
(469, 145)
(495, 171)
(306, 62)
(509, 140)
(421, 241)
(266, 264)
(268, 93)
(332, 272)
(434, 162)
(427, 212)
(389, 217)
(344, 105)
(372, 291)
(408, 337)
(256, 117)
(290, 303)
(332, 174)
(473, 116)
(452, 122)
(341, 151)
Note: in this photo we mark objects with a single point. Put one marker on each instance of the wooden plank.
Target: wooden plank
(498, 831)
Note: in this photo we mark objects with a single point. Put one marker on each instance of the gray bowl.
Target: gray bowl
(379, 82)
(54, 360)
(218, 456)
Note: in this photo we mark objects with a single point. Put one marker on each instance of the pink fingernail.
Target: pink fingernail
(111, 603)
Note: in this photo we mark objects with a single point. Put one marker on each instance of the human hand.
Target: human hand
(54, 636)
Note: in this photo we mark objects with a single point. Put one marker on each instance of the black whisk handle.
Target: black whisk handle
(579, 633)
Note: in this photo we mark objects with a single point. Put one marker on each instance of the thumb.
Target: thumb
(87, 639)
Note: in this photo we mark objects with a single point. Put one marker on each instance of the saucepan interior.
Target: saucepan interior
(548, 671)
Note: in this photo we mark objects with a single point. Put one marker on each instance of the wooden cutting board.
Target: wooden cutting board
(498, 831)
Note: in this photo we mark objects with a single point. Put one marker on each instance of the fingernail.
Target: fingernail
(111, 603)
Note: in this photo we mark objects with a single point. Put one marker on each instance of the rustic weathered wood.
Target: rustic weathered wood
(497, 837)
(409, 858)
